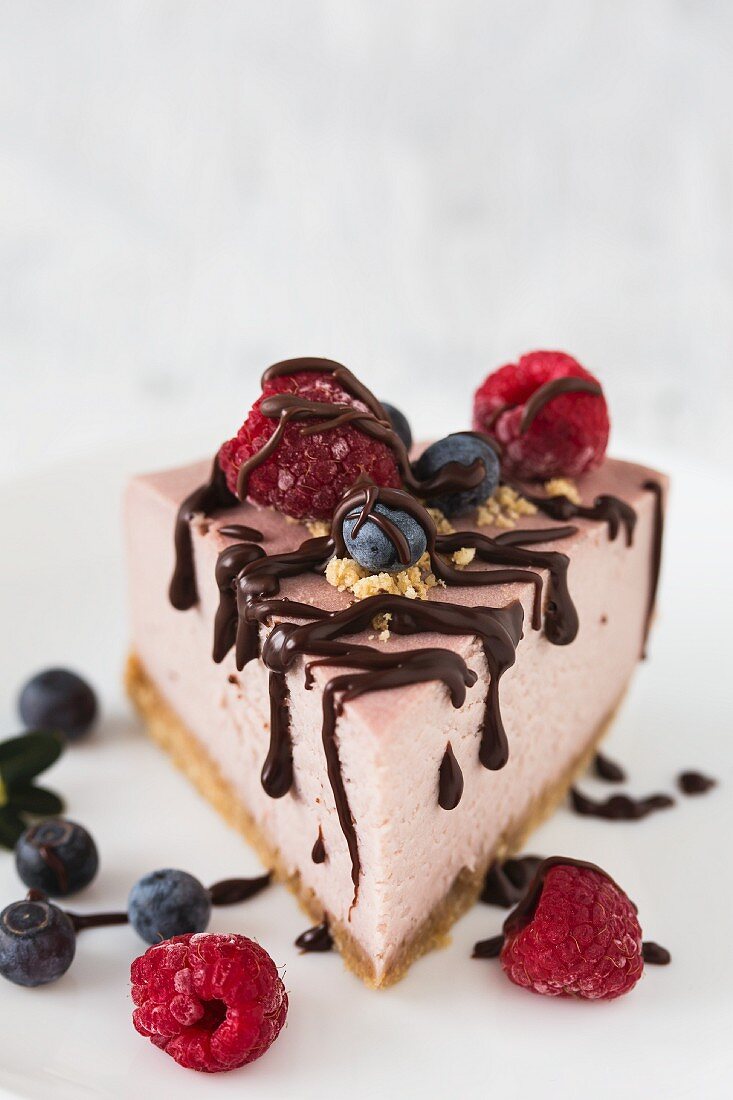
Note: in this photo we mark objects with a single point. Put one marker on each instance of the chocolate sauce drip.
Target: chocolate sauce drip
(656, 557)
(242, 533)
(619, 807)
(654, 954)
(317, 938)
(207, 498)
(550, 391)
(505, 883)
(608, 769)
(230, 563)
(81, 921)
(450, 780)
(499, 630)
(318, 852)
(525, 910)
(488, 949)
(695, 783)
(372, 420)
(608, 509)
(277, 771)
(229, 891)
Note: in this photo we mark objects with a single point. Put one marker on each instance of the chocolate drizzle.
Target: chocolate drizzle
(605, 508)
(525, 910)
(488, 949)
(317, 938)
(207, 498)
(656, 555)
(654, 954)
(505, 883)
(608, 769)
(318, 852)
(550, 391)
(372, 419)
(619, 807)
(450, 780)
(695, 783)
(230, 891)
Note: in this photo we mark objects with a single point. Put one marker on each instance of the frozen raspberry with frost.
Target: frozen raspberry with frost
(581, 937)
(307, 475)
(566, 438)
(212, 1002)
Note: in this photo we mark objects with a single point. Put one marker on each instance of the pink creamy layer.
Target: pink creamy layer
(391, 743)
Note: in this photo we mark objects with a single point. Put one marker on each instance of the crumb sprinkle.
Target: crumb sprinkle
(503, 508)
(563, 487)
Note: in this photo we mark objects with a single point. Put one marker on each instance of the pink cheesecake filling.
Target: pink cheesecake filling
(391, 743)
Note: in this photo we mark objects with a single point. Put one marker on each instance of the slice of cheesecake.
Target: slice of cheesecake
(380, 753)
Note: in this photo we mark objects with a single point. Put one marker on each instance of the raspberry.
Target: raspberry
(580, 937)
(566, 438)
(307, 475)
(212, 1002)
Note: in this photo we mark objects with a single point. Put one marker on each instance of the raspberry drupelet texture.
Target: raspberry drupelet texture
(566, 438)
(582, 940)
(212, 1002)
(307, 475)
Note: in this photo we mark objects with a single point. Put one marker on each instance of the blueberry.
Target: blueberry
(59, 700)
(37, 942)
(400, 423)
(168, 903)
(56, 856)
(465, 448)
(373, 548)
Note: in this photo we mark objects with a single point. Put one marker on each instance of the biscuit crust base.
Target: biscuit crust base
(167, 729)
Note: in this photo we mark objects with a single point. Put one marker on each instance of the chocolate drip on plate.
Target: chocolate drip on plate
(230, 891)
(505, 883)
(619, 807)
(210, 497)
(318, 853)
(608, 769)
(488, 949)
(81, 921)
(317, 938)
(241, 532)
(695, 783)
(450, 781)
(654, 954)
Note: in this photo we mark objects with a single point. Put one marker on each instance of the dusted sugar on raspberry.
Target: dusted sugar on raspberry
(578, 935)
(212, 1002)
(566, 436)
(306, 475)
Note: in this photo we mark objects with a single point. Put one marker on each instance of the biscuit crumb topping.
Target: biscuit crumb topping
(563, 487)
(503, 508)
(414, 583)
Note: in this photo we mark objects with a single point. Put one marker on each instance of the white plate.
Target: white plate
(454, 1026)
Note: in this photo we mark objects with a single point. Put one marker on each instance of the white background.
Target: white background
(189, 191)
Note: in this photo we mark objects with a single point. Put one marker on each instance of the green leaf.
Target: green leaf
(11, 826)
(35, 800)
(21, 758)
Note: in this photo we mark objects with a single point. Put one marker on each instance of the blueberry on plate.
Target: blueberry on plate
(59, 700)
(56, 856)
(463, 448)
(168, 903)
(37, 942)
(374, 547)
(400, 423)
